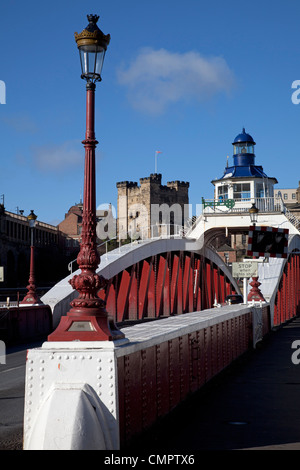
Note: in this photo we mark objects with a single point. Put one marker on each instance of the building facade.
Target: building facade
(289, 195)
(151, 209)
(71, 226)
(291, 199)
(15, 241)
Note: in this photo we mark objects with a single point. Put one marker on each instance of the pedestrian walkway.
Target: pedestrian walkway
(254, 405)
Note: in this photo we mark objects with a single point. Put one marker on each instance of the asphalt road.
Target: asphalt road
(12, 391)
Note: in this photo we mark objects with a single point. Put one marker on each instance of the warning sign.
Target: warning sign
(245, 269)
(268, 242)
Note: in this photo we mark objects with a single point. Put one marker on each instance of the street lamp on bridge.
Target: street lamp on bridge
(88, 319)
(31, 296)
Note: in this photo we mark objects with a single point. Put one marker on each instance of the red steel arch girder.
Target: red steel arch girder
(165, 284)
(287, 300)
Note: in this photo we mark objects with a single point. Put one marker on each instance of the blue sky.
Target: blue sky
(179, 77)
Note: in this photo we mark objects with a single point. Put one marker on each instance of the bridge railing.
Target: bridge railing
(141, 235)
(9, 304)
(264, 204)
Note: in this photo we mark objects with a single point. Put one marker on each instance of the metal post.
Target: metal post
(245, 289)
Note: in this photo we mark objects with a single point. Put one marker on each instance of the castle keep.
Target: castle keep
(151, 209)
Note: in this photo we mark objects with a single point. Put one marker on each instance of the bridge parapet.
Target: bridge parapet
(82, 395)
(23, 324)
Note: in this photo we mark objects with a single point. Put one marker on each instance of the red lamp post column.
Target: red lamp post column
(31, 297)
(88, 319)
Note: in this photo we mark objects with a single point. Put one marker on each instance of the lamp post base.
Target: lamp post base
(30, 300)
(255, 293)
(88, 319)
(86, 328)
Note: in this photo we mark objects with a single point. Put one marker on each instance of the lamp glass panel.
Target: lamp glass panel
(91, 59)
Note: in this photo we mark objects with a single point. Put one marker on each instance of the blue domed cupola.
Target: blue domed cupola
(244, 180)
(243, 149)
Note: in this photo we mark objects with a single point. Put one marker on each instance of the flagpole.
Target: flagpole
(157, 151)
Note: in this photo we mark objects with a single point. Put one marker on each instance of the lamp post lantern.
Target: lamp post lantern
(31, 296)
(254, 294)
(88, 320)
(253, 211)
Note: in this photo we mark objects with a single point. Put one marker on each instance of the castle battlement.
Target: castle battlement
(153, 178)
(127, 184)
(178, 184)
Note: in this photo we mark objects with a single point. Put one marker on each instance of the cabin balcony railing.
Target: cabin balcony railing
(233, 206)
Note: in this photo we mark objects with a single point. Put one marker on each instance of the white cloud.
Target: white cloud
(158, 78)
(61, 157)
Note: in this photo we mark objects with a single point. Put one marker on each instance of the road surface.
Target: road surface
(12, 391)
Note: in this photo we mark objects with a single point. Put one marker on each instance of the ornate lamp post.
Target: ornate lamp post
(254, 293)
(31, 297)
(88, 319)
